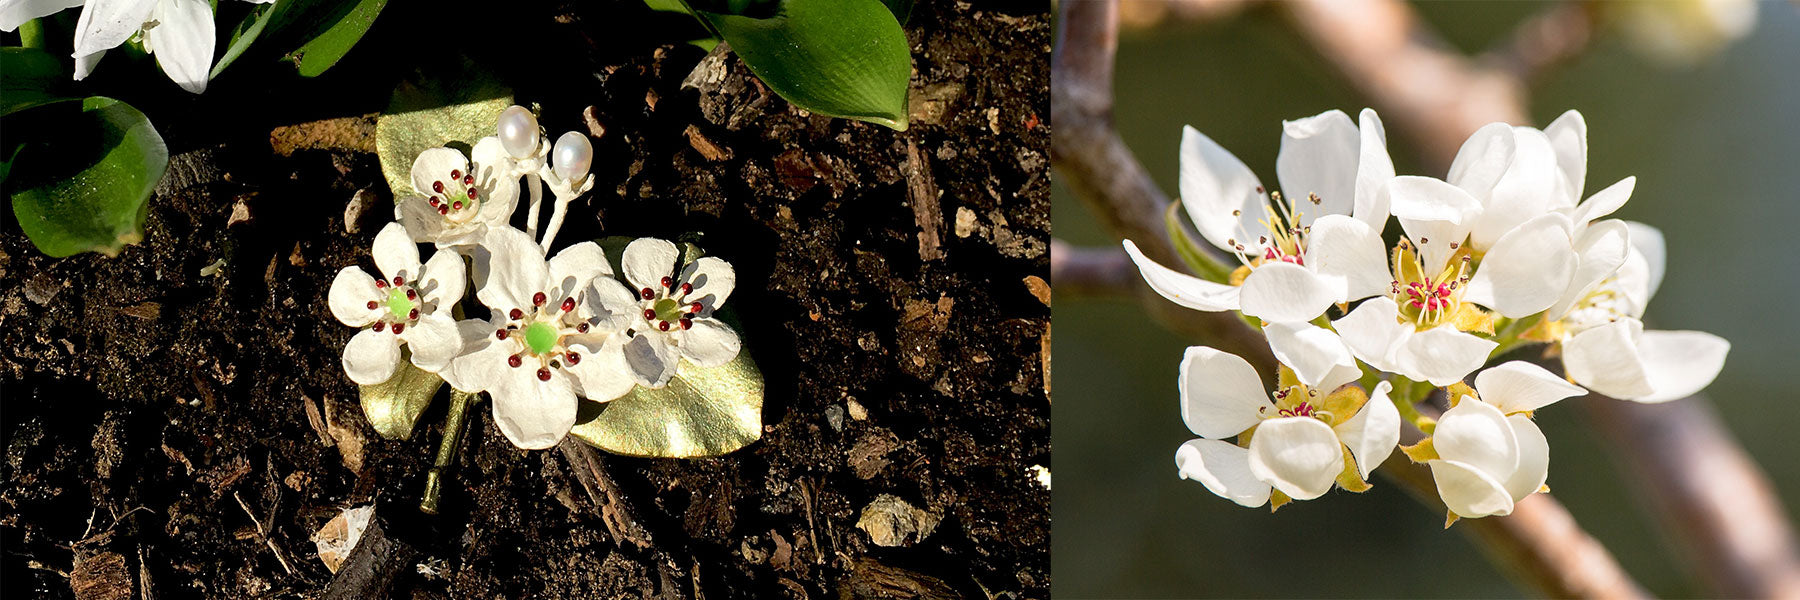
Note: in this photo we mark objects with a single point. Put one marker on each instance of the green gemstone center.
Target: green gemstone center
(540, 337)
(399, 304)
(668, 310)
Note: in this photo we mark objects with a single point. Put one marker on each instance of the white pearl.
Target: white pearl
(518, 132)
(573, 155)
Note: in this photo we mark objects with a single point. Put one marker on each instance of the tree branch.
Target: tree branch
(1082, 272)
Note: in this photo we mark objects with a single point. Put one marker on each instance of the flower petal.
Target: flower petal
(349, 297)
(1483, 159)
(1600, 252)
(371, 357)
(182, 41)
(517, 269)
(1300, 456)
(603, 372)
(434, 165)
(14, 13)
(710, 343)
(1186, 290)
(1648, 242)
(653, 359)
(575, 268)
(1468, 492)
(443, 282)
(534, 414)
(1221, 394)
(609, 306)
(1341, 246)
(1605, 359)
(1442, 355)
(1680, 363)
(1534, 458)
(483, 360)
(1604, 202)
(1319, 156)
(1373, 171)
(104, 24)
(1475, 433)
(1374, 333)
(395, 253)
(1224, 469)
(1568, 135)
(1519, 386)
(1311, 351)
(1434, 214)
(1527, 270)
(648, 260)
(434, 341)
(1221, 195)
(422, 222)
(498, 182)
(1285, 292)
(1373, 433)
(713, 280)
(1532, 186)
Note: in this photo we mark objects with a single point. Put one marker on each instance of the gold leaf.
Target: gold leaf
(393, 406)
(454, 107)
(702, 412)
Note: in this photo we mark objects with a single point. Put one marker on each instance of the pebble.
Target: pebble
(834, 415)
(890, 521)
(353, 212)
(42, 288)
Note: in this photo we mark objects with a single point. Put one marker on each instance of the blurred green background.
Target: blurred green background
(1716, 149)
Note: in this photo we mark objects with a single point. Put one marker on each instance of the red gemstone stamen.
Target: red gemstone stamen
(381, 326)
(437, 186)
(500, 334)
(372, 305)
(666, 282)
(456, 174)
(516, 314)
(399, 280)
(398, 327)
(544, 374)
(514, 361)
(649, 315)
(687, 324)
(568, 304)
(412, 294)
(581, 327)
(538, 299)
(687, 288)
(663, 325)
(573, 358)
(468, 180)
(647, 294)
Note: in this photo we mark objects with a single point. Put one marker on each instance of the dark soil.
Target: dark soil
(148, 409)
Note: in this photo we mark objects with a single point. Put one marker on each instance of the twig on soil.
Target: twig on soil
(812, 528)
(922, 193)
(263, 532)
(615, 513)
(371, 566)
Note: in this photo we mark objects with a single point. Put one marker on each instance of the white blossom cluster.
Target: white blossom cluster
(1500, 254)
(560, 327)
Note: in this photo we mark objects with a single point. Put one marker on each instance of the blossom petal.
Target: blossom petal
(1648, 242)
(1434, 214)
(1532, 186)
(1311, 351)
(434, 341)
(84, 64)
(1680, 363)
(1604, 202)
(1518, 386)
(1221, 394)
(1483, 159)
(1283, 292)
(349, 298)
(576, 267)
(1224, 469)
(1319, 156)
(483, 361)
(1534, 458)
(517, 269)
(1221, 195)
(421, 221)
(1475, 433)
(1468, 492)
(1442, 355)
(1373, 433)
(1374, 333)
(14, 13)
(498, 183)
(434, 165)
(648, 260)
(713, 280)
(1527, 269)
(610, 306)
(395, 253)
(653, 359)
(1186, 290)
(532, 413)
(104, 24)
(1568, 136)
(603, 371)
(1373, 171)
(710, 343)
(443, 282)
(1341, 246)
(1605, 359)
(371, 357)
(1600, 252)
(1300, 456)
(182, 41)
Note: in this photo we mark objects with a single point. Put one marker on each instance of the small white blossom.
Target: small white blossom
(409, 305)
(675, 311)
(179, 33)
(1490, 454)
(455, 202)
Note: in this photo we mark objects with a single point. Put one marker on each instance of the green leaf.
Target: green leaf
(394, 406)
(33, 78)
(454, 105)
(324, 49)
(841, 58)
(83, 176)
(246, 32)
(702, 412)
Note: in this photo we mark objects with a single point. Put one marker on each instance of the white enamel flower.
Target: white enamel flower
(1297, 246)
(1605, 346)
(674, 319)
(1490, 454)
(456, 203)
(178, 32)
(410, 305)
(1298, 435)
(556, 332)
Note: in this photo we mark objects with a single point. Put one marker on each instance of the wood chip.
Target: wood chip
(1039, 288)
(922, 193)
(706, 147)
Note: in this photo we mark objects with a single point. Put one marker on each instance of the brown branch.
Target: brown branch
(1083, 272)
(1548, 39)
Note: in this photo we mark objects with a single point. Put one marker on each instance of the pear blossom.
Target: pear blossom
(1490, 455)
(1299, 249)
(557, 331)
(1301, 439)
(456, 203)
(179, 33)
(410, 305)
(674, 320)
